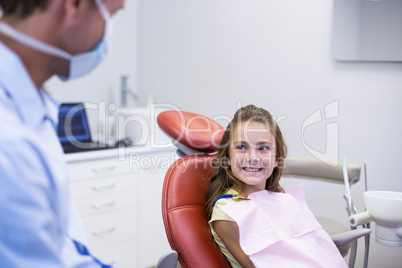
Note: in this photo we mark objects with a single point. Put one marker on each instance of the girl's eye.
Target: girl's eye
(263, 148)
(240, 147)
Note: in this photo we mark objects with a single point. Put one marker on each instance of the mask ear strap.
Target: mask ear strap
(32, 42)
(106, 16)
(103, 10)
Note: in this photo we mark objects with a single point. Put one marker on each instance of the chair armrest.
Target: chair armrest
(169, 260)
(346, 237)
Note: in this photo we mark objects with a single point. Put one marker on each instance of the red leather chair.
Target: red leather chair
(183, 196)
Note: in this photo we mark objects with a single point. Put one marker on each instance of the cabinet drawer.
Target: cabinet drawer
(107, 203)
(119, 256)
(99, 168)
(104, 186)
(111, 228)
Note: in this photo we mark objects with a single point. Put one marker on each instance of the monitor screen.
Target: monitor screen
(73, 123)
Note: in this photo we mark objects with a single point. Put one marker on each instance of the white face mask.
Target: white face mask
(80, 64)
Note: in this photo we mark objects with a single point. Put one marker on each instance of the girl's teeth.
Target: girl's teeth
(251, 169)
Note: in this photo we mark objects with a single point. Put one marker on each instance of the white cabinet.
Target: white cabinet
(150, 197)
(118, 195)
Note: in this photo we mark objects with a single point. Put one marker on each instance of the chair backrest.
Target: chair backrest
(184, 217)
(184, 189)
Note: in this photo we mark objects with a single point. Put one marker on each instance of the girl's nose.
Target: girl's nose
(252, 155)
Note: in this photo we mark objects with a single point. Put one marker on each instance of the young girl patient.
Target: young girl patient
(253, 221)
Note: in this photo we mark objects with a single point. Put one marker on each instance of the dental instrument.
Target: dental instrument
(347, 186)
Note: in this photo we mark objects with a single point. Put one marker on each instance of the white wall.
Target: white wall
(205, 56)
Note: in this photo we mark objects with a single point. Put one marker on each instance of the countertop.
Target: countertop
(120, 152)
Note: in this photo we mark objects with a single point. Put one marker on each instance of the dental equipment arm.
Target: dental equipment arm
(312, 168)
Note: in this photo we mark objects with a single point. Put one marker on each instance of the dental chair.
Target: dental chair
(183, 196)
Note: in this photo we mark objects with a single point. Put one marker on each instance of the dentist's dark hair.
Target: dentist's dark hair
(223, 178)
(22, 8)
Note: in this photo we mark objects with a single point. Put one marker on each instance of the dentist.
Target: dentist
(39, 225)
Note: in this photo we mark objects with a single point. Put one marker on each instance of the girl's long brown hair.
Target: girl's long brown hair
(223, 178)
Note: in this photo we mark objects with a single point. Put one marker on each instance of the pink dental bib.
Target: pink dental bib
(279, 230)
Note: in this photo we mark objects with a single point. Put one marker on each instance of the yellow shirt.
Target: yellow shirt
(219, 215)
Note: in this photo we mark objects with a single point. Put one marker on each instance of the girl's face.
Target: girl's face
(252, 155)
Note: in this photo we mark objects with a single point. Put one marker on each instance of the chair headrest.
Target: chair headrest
(196, 132)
